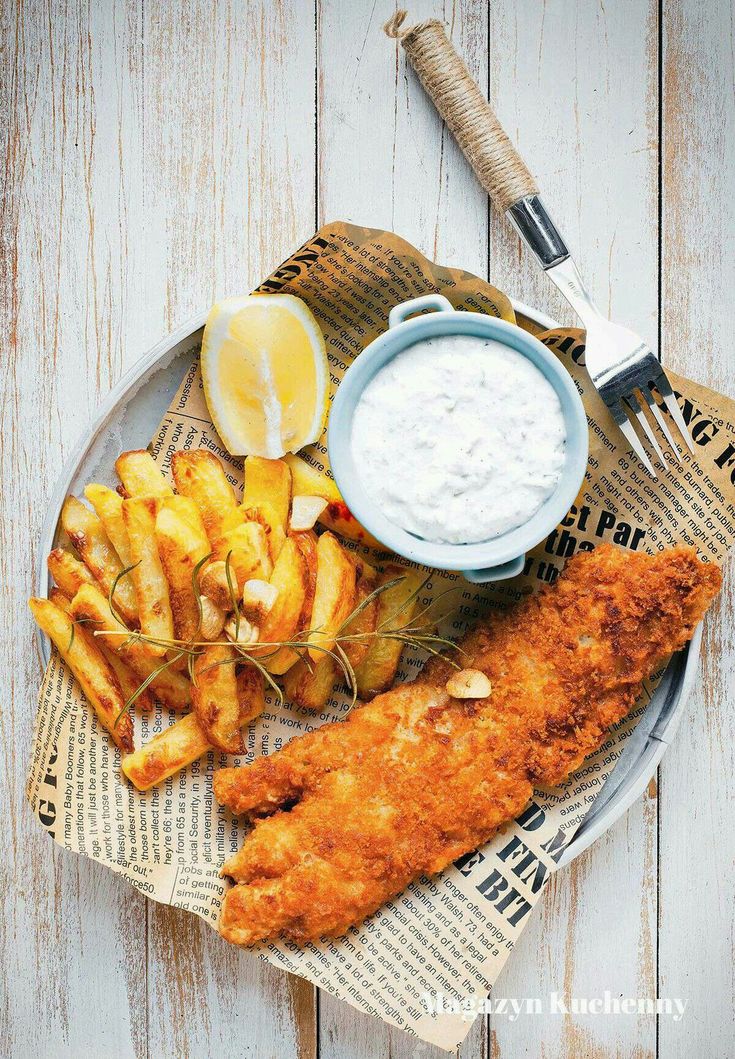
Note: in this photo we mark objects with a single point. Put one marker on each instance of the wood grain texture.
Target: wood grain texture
(697, 844)
(73, 937)
(158, 156)
(385, 160)
(575, 85)
(228, 192)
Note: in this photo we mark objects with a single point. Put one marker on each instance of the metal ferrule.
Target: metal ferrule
(532, 222)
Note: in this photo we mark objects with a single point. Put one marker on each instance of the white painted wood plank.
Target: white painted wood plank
(697, 845)
(386, 161)
(73, 938)
(575, 86)
(228, 192)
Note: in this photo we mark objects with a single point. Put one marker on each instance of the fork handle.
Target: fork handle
(496, 162)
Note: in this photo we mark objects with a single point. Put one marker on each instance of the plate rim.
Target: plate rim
(647, 763)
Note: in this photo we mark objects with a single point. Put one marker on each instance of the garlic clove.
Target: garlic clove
(243, 633)
(305, 510)
(213, 619)
(468, 684)
(258, 598)
(213, 584)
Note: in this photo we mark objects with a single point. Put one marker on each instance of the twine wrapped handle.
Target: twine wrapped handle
(469, 116)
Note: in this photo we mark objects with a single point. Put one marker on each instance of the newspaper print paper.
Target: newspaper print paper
(448, 936)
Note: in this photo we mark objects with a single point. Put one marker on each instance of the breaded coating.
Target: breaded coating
(415, 778)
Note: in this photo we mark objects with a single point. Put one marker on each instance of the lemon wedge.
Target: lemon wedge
(265, 374)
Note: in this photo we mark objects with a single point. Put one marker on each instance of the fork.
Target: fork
(620, 364)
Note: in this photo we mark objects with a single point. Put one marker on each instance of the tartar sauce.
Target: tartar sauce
(458, 439)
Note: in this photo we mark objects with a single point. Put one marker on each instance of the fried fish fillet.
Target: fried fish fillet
(415, 778)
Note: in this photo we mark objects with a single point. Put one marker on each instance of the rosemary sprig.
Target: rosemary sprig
(148, 680)
(196, 589)
(413, 633)
(75, 622)
(113, 586)
(233, 594)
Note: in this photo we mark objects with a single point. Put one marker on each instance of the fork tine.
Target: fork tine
(645, 425)
(631, 437)
(656, 412)
(664, 388)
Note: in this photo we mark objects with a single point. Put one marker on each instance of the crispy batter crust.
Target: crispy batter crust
(414, 779)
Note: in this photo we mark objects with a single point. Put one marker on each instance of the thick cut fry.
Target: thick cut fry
(140, 476)
(60, 600)
(290, 578)
(149, 580)
(247, 547)
(200, 476)
(310, 686)
(169, 687)
(169, 752)
(214, 696)
(267, 498)
(288, 656)
(96, 677)
(226, 695)
(307, 543)
(185, 741)
(129, 682)
(108, 507)
(376, 672)
(182, 543)
(87, 534)
(365, 621)
(334, 598)
(68, 572)
(310, 481)
(250, 693)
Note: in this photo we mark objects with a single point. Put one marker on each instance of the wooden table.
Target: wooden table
(159, 155)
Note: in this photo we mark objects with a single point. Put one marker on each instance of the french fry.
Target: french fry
(108, 507)
(334, 598)
(169, 752)
(250, 693)
(307, 543)
(168, 687)
(309, 481)
(140, 476)
(96, 677)
(129, 682)
(68, 572)
(376, 672)
(185, 741)
(365, 621)
(88, 536)
(60, 599)
(182, 543)
(267, 498)
(288, 656)
(200, 476)
(290, 578)
(310, 687)
(215, 698)
(149, 580)
(247, 545)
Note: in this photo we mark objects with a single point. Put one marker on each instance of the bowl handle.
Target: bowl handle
(428, 301)
(495, 573)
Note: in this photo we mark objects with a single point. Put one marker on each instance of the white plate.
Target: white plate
(128, 419)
